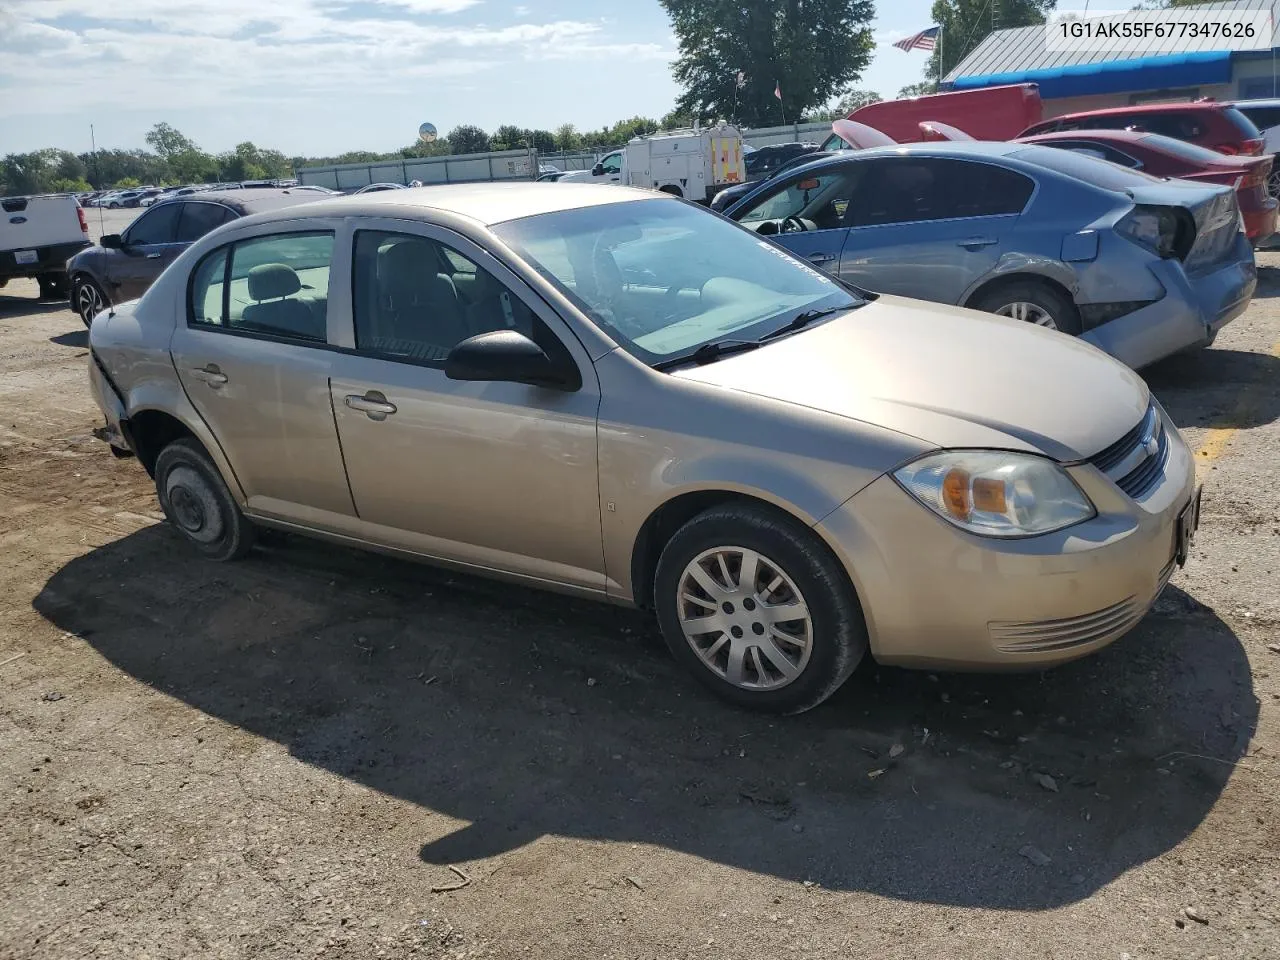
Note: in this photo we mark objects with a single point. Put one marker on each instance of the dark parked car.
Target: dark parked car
(730, 195)
(126, 264)
(764, 161)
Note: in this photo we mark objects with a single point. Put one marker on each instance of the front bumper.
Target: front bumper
(1189, 315)
(936, 596)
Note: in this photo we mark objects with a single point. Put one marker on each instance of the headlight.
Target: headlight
(995, 493)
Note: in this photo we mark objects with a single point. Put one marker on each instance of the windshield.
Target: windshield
(663, 277)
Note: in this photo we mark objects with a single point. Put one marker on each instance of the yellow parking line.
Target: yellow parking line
(1218, 439)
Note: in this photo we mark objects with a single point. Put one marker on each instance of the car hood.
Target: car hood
(949, 376)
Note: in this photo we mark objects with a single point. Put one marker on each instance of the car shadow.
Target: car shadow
(75, 338)
(1218, 388)
(526, 715)
(28, 306)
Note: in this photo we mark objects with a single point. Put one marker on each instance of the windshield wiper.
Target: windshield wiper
(801, 320)
(709, 352)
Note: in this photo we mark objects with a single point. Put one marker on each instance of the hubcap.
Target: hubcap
(745, 618)
(1029, 312)
(89, 302)
(193, 505)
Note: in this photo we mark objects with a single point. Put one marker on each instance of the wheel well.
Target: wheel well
(150, 431)
(671, 189)
(1000, 282)
(662, 525)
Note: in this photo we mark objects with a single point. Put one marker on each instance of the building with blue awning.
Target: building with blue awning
(1072, 81)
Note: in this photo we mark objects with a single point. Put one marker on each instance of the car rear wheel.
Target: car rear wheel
(87, 299)
(758, 609)
(1032, 301)
(198, 504)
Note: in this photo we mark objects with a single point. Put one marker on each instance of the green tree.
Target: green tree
(924, 88)
(509, 137)
(468, 139)
(125, 183)
(966, 23)
(544, 141)
(168, 141)
(850, 102)
(625, 130)
(568, 138)
(808, 47)
(676, 120)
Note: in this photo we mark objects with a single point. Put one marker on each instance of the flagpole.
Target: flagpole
(938, 87)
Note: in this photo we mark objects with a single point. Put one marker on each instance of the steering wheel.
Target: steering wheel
(793, 224)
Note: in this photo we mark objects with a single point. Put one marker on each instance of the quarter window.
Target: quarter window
(153, 227)
(415, 298)
(274, 285)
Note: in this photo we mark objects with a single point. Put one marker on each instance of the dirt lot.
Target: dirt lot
(286, 756)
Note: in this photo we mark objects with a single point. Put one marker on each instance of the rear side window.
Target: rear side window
(1099, 151)
(1180, 125)
(275, 285)
(198, 218)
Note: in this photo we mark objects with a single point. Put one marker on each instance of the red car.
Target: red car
(1167, 157)
(988, 113)
(1218, 126)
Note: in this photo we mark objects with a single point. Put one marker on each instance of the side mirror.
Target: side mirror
(506, 356)
(111, 241)
(598, 170)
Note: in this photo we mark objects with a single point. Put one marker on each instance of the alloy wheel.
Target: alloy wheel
(745, 618)
(1029, 312)
(89, 302)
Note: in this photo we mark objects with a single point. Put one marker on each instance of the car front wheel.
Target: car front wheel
(198, 504)
(87, 299)
(758, 609)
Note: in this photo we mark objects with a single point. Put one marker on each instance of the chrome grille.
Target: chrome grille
(1137, 460)
(1037, 636)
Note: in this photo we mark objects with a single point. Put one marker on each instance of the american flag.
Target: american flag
(924, 40)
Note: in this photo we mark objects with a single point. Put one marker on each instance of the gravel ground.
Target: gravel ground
(290, 756)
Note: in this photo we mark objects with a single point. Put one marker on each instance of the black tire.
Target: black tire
(838, 638)
(1047, 297)
(198, 504)
(53, 286)
(83, 291)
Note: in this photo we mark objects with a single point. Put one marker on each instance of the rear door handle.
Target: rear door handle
(820, 258)
(153, 256)
(373, 403)
(210, 374)
(973, 243)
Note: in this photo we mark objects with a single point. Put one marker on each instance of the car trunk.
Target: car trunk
(1247, 175)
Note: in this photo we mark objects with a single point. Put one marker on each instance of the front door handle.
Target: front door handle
(154, 256)
(373, 403)
(974, 243)
(210, 374)
(821, 258)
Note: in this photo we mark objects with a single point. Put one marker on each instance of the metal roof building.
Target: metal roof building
(1072, 80)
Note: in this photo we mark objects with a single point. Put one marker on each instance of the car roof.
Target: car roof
(944, 148)
(485, 203)
(1146, 108)
(1118, 136)
(1264, 102)
(247, 202)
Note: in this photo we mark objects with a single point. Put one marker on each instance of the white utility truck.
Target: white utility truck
(695, 163)
(37, 237)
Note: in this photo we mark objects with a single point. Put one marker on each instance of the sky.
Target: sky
(320, 77)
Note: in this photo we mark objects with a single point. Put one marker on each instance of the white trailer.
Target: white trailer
(695, 164)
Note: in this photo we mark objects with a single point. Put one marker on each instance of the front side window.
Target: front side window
(818, 200)
(612, 163)
(275, 285)
(415, 299)
(663, 278)
(155, 226)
